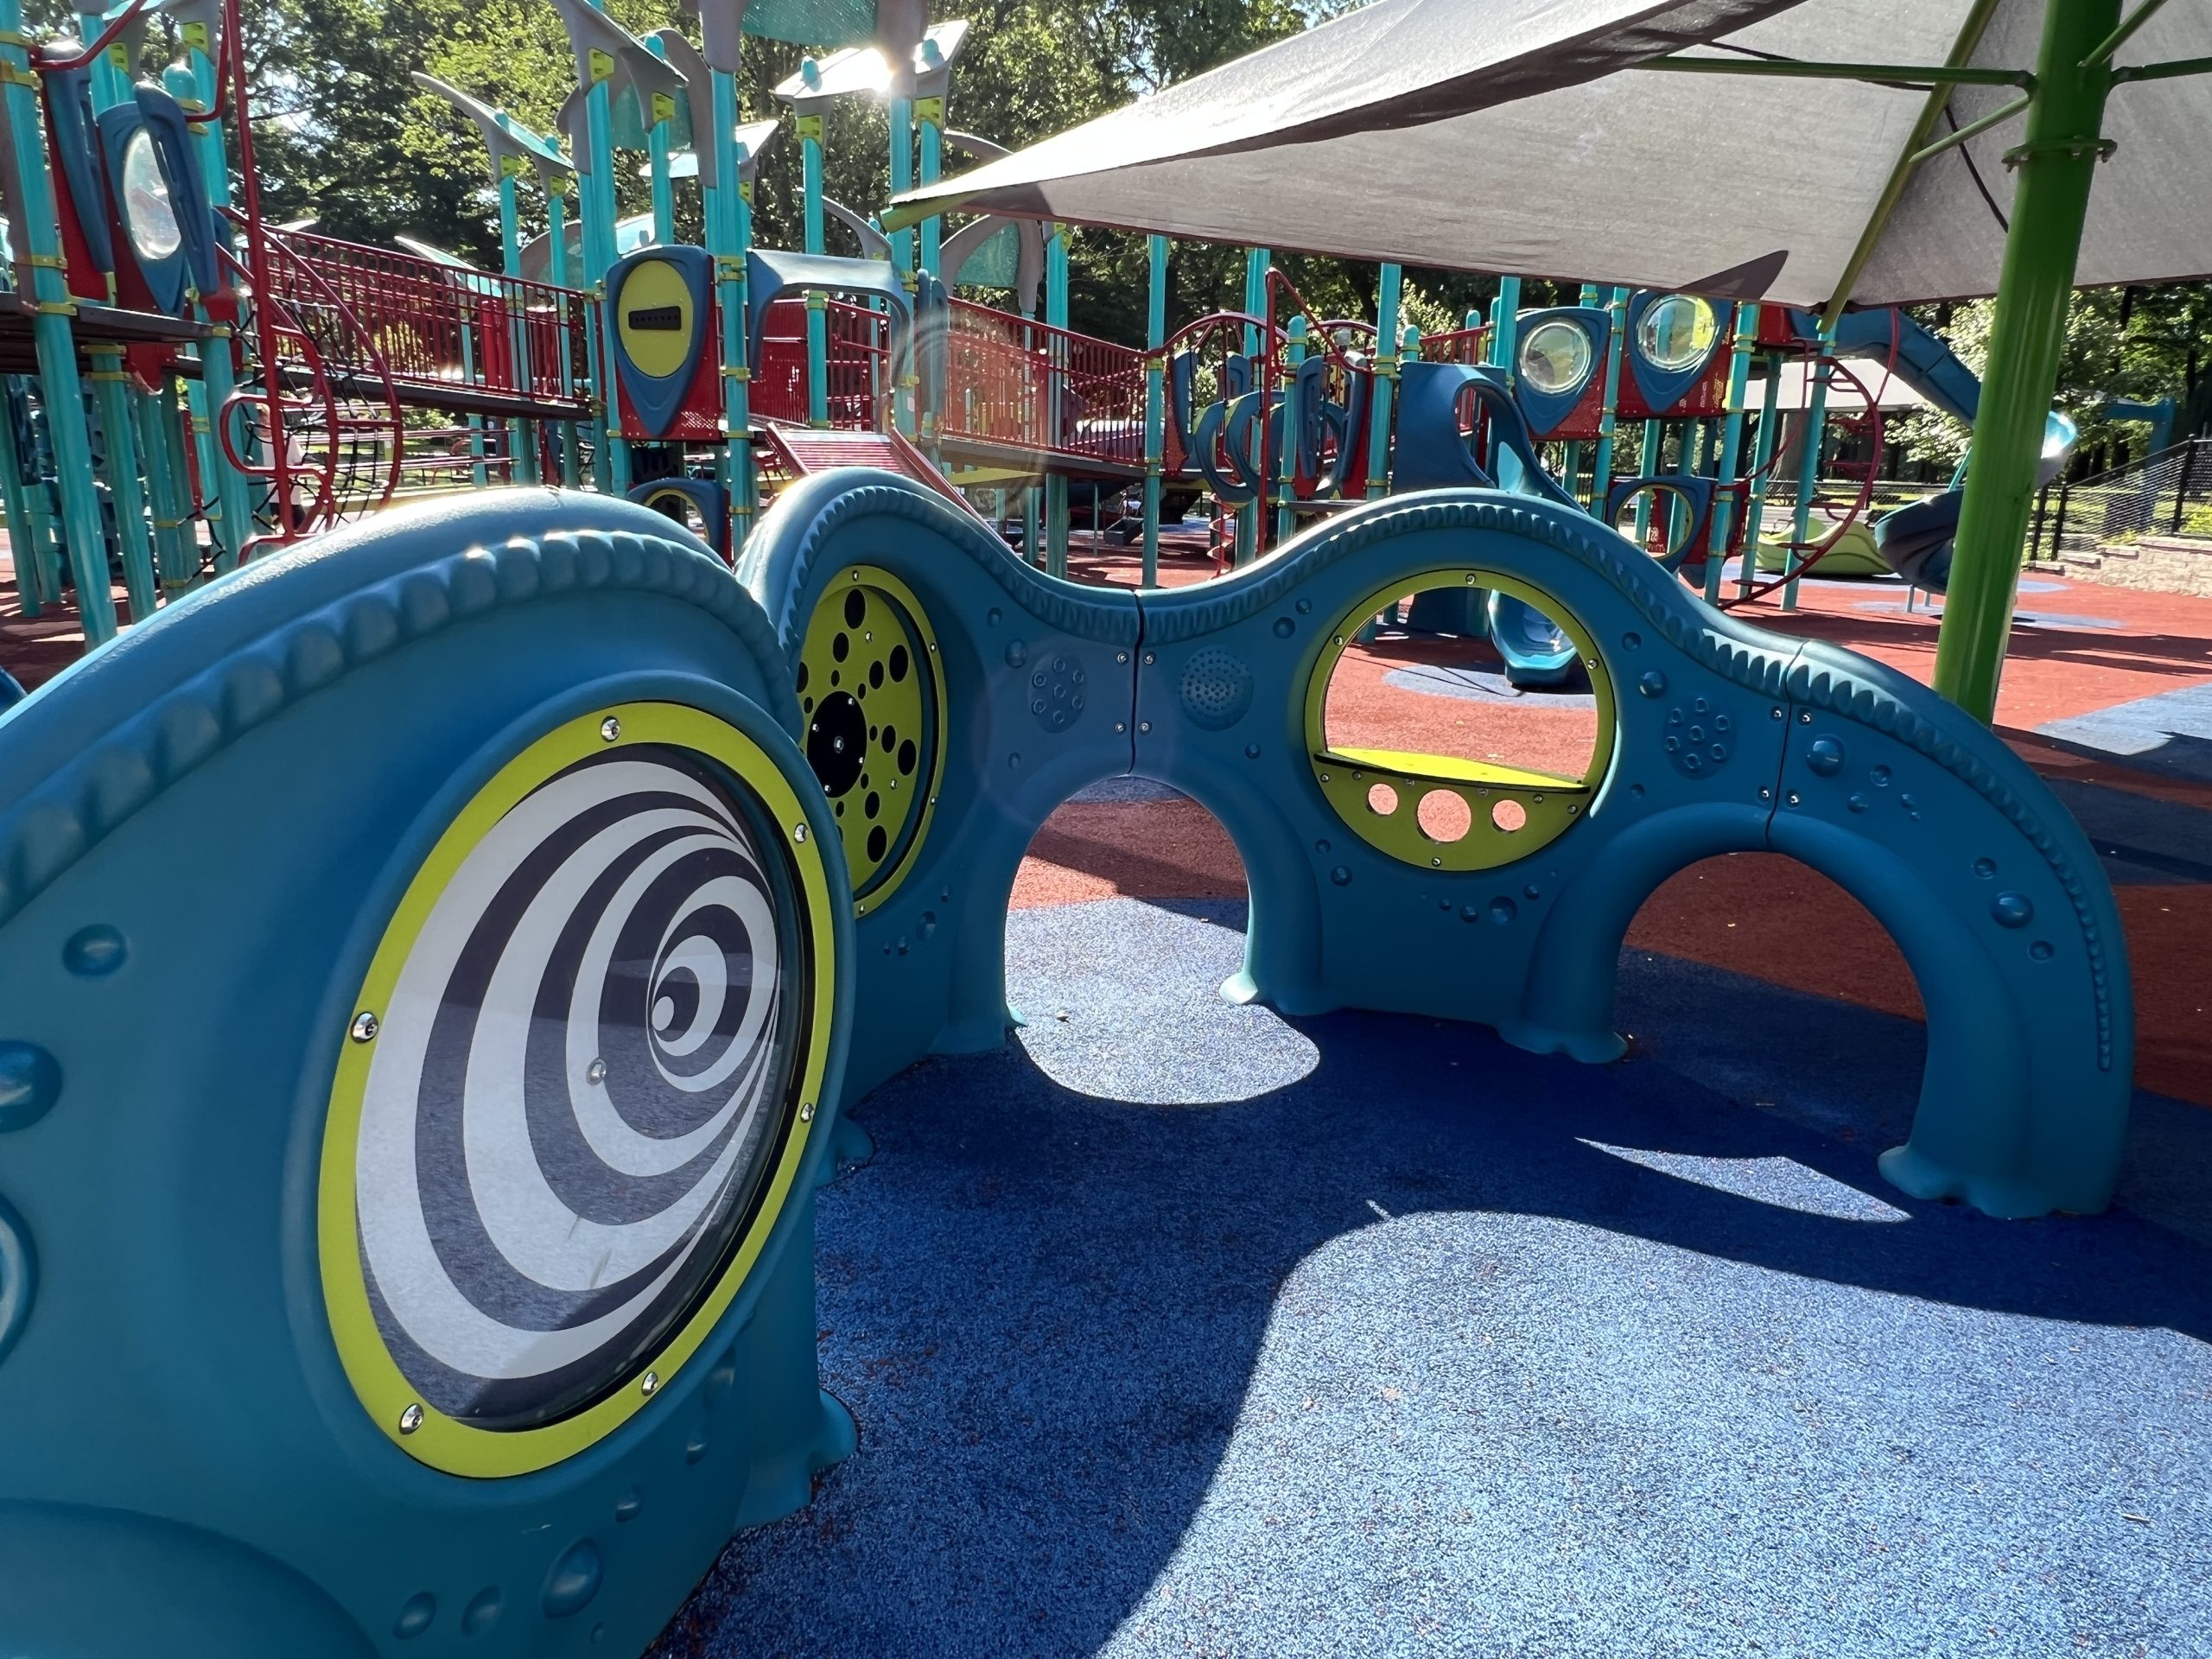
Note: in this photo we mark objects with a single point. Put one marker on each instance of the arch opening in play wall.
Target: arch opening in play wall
(1780, 946)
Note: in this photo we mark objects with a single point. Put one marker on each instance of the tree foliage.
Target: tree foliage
(343, 136)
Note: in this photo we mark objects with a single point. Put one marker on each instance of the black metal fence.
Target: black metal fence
(2166, 494)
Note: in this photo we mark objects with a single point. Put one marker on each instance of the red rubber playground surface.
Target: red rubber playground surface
(2079, 650)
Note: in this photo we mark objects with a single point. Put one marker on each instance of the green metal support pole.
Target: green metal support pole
(1762, 460)
(818, 322)
(1731, 451)
(1155, 410)
(2054, 169)
(1390, 288)
(1601, 468)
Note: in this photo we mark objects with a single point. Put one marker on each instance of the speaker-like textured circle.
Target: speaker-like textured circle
(582, 1076)
(873, 692)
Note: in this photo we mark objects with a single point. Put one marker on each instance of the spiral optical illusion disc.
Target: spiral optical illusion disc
(583, 1069)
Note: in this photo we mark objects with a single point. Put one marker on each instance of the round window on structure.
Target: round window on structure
(1676, 332)
(147, 209)
(1556, 356)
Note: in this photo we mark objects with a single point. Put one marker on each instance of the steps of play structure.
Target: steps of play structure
(805, 450)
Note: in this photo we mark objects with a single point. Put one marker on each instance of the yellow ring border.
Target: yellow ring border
(875, 576)
(443, 1442)
(1444, 578)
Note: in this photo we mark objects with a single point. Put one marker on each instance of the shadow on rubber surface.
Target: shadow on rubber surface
(1433, 1347)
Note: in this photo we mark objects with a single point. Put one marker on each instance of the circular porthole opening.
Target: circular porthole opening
(1460, 720)
(149, 212)
(1556, 356)
(1676, 332)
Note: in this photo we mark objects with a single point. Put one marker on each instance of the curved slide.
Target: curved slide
(1916, 541)
(1433, 454)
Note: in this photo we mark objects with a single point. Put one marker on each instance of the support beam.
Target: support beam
(2050, 200)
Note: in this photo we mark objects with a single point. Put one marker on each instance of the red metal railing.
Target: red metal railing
(1023, 385)
(858, 357)
(1461, 346)
(440, 328)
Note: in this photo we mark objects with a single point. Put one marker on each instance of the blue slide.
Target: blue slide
(1433, 454)
(1915, 540)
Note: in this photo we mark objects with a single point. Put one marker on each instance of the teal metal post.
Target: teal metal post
(478, 471)
(26, 537)
(230, 519)
(1055, 360)
(929, 121)
(595, 196)
(36, 548)
(1732, 449)
(112, 387)
(1287, 462)
(111, 401)
(521, 435)
(1601, 467)
(1814, 439)
(84, 539)
(1156, 410)
(902, 252)
(164, 488)
(1256, 341)
(1505, 349)
(556, 269)
(1505, 325)
(817, 321)
(1762, 463)
(1389, 296)
(2053, 170)
(1650, 444)
(729, 234)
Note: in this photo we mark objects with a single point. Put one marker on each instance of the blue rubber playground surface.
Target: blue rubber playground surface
(1176, 1328)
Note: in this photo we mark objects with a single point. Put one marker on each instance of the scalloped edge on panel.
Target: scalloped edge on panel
(56, 819)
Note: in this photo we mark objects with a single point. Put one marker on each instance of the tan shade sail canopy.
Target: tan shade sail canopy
(1514, 136)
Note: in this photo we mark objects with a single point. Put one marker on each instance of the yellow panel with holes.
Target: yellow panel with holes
(1440, 811)
(871, 685)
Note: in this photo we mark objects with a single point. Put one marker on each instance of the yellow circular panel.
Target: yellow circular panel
(871, 688)
(654, 313)
(577, 1084)
(1488, 815)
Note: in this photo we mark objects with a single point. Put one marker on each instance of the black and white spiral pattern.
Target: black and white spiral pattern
(582, 1077)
